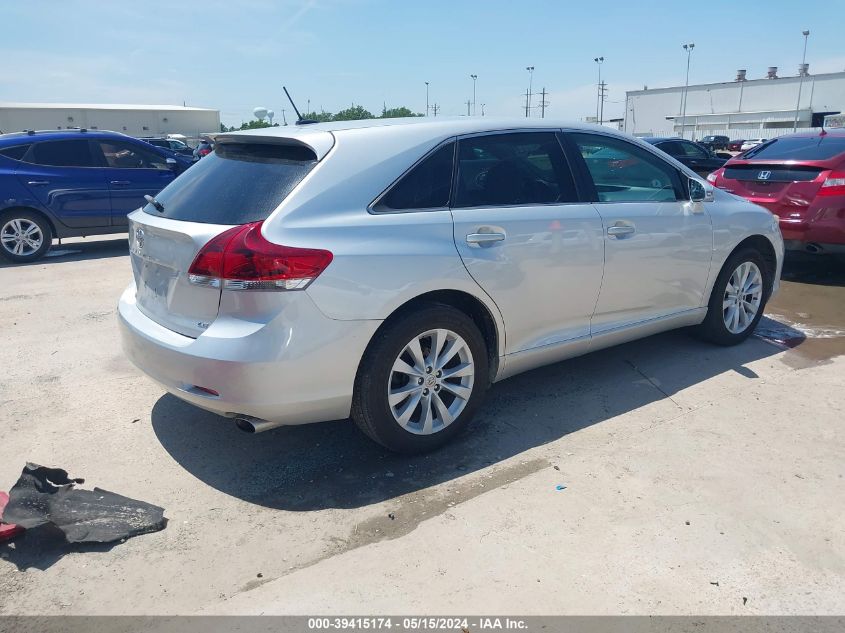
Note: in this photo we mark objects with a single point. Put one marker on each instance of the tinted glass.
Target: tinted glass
(692, 150)
(15, 152)
(513, 169)
(673, 148)
(426, 186)
(623, 172)
(122, 155)
(62, 154)
(809, 148)
(237, 183)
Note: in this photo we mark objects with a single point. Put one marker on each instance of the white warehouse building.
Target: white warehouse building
(134, 120)
(743, 108)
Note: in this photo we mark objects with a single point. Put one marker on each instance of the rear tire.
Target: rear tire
(412, 399)
(738, 299)
(25, 236)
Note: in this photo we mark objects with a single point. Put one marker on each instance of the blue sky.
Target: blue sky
(234, 56)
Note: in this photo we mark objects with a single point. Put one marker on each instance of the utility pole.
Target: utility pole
(426, 98)
(806, 34)
(530, 70)
(435, 108)
(284, 119)
(482, 108)
(688, 48)
(599, 61)
(469, 103)
(602, 95)
(474, 79)
(543, 103)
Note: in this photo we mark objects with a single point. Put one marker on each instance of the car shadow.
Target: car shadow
(78, 251)
(333, 465)
(822, 270)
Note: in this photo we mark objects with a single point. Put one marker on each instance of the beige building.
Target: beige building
(134, 120)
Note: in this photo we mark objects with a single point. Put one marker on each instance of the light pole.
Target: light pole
(530, 70)
(688, 48)
(474, 79)
(426, 98)
(806, 35)
(599, 61)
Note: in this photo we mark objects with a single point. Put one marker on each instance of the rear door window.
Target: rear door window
(799, 148)
(691, 150)
(61, 154)
(235, 184)
(523, 168)
(425, 186)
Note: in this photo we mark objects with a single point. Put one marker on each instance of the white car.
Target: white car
(391, 270)
(752, 142)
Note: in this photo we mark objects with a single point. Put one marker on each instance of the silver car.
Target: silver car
(391, 270)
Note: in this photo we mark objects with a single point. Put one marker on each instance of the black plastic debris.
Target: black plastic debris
(47, 495)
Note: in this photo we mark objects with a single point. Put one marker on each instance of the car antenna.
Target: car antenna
(299, 119)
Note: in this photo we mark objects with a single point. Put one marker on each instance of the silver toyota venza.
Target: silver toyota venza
(390, 271)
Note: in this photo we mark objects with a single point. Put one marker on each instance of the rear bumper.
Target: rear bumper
(281, 371)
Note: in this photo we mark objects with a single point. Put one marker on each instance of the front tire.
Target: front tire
(421, 380)
(738, 299)
(24, 236)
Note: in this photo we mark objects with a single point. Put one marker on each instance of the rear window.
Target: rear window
(799, 148)
(235, 184)
(17, 152)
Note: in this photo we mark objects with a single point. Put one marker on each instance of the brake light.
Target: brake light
(834, 185)
(241, 259)
(713, 175)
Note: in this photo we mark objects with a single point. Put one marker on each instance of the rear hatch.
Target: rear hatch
(784, 174)
(244, 180)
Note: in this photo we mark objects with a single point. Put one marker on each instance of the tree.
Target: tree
(223, 128)
(318, 116)
(255, 124)
(353, 114)
(401, 111)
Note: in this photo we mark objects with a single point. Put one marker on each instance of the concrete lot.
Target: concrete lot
(697, 479)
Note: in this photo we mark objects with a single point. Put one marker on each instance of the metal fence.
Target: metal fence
(731, 134)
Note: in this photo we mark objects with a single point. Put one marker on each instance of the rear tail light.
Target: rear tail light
(712, 176)
(241, 259)
(834, 185)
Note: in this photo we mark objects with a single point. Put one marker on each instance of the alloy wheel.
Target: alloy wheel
(431, 381)
(743, 296)
(21, 237)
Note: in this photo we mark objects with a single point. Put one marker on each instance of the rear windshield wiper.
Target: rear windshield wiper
(158, 205)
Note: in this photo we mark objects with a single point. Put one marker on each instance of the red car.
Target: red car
(736, 146)
(801, 179)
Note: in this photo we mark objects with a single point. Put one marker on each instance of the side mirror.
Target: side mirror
(697, 191)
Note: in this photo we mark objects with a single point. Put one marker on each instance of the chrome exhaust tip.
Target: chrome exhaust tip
(250, 424)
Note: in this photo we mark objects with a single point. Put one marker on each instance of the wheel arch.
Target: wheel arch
(764, 246)
(39, 212)
(470, 305)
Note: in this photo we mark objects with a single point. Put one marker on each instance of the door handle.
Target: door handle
(484, 238)
(618, 230)
(37, 183)
(121, 182)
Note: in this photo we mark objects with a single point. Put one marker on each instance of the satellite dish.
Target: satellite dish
(270, 115)
(260, 113)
